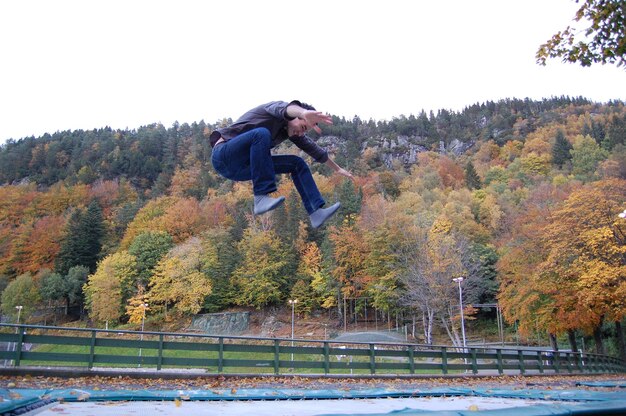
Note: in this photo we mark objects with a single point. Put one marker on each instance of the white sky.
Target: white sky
(84, 64)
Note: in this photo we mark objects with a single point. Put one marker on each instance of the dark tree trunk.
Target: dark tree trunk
(597, 336)
(553, 343)
(621, 343)
(571, 335)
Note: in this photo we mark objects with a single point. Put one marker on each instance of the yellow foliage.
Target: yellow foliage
(137, 308)
(147, 219)
(178, 279)
(105, 288)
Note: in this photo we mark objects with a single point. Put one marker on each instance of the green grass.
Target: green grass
(253, 356)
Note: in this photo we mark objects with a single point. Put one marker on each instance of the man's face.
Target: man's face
(296, 127)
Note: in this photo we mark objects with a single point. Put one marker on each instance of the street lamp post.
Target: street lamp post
(292, 302)
(458, 280)
(19, 312)
(143, 320)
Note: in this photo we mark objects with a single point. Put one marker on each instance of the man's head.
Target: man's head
(298, 126)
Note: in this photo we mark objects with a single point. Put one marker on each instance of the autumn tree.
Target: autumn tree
(322, 283)
(429, 264)
(148, 218)
(382, 265)
(603, 41)
(260, 278)
(108, 289)
(36, 244)
(178, 282)
(350, 251)
(588, 248)
(137, 307)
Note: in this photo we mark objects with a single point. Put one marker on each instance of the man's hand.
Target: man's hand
(345, 173)
(338, 169)
(312, 118)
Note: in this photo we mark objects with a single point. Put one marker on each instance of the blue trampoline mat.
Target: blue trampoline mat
(568, 402)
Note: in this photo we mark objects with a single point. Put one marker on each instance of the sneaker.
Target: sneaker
(320, 216)
(264, 203)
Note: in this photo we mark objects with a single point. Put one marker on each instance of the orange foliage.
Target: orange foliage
(37, 244)
(147, 219)
(538, 146)
(59, 197)
(184, 219)
(350, 251)
(217, 212)
(111, 194)
(185, 180)
(14, 201)
(452, 175)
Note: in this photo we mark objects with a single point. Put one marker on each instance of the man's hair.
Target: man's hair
(307, 106)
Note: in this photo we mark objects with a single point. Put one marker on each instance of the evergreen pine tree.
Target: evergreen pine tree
(83, 240)
(93, 231)
(350, 198)
(302, 292)
(223, 292)
(472, 180)
(70, 245)
(616, 133)
(561, 149)
(291, 213)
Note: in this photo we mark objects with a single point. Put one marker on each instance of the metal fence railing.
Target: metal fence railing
(30, 345)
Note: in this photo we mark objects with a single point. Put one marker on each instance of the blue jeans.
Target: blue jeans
(248, 157)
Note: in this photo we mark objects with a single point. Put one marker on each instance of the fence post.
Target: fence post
(277, 357)
(411, 360)
(569, 362)
(474, 361)
(557, 362)
(520, 359)
(499, 358)
(444, 360)
(605, 363)
(326, 358)
(372, 359)
(540, 362)
(92, 349)
(160, 353)
(579, 361)
(220, 356)
(18, 347)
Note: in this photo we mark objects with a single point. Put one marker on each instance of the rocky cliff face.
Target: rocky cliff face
(403, 149)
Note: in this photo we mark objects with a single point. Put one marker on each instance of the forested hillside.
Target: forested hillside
(520, 197)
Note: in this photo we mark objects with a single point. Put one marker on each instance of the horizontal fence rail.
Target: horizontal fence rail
(30, 345)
